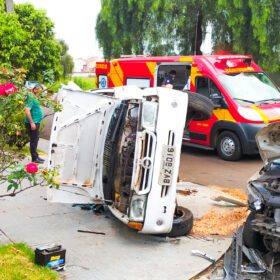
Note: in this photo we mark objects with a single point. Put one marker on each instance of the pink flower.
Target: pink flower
(2, 90)
(31, 168)
(9, 88)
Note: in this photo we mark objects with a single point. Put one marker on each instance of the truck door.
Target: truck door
(199, 131)
(76, 146)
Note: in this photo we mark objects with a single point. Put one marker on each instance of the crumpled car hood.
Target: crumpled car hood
(268, 140)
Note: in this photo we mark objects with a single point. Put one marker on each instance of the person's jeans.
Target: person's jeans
(34, 139)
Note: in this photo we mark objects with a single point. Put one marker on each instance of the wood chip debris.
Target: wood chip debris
(219, 222)
(216, 222)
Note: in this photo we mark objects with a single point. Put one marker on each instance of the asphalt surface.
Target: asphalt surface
(206, 168)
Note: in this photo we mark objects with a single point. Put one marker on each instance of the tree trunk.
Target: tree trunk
(198, 32)
(9, 6)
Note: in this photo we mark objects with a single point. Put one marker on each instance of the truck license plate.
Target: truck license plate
(167, 165)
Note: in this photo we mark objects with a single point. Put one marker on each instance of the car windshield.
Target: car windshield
(250, 88)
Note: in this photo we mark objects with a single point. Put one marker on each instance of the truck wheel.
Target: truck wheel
(228, 146)
(199, 107)
(182, 223)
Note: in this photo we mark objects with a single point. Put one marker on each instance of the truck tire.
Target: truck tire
(199, 107)
(182, 223)
(229, 146)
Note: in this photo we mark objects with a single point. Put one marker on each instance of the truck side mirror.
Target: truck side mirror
(218, 101)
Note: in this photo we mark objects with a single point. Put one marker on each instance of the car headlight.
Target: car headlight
(137, 208)
(149, 115)
(255, 198)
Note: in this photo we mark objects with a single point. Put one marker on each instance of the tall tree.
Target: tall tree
(152, 27)
(252, 29)
(9, 6)
(164, 27)
(27, 40)
(66, 59)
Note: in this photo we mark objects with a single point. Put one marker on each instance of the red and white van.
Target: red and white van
(245, 98)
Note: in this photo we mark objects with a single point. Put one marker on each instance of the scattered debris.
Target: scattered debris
(203, 255)
(186, 192)
(231, 200)
(96, 208)
(52, 256)
(216, 222)
(86, 207)
(93, 232)
(237, 193)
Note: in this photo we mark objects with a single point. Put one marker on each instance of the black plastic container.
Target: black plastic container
(51, 256)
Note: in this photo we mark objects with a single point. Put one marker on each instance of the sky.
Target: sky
(74, 23)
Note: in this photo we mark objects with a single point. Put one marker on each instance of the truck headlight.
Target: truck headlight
(149, 115)
(137, 208)
(255, 198)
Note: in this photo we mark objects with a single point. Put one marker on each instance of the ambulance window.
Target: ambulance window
(213, 88)
(182, 75)
(202, 86)
(142, 83)
(206, 86)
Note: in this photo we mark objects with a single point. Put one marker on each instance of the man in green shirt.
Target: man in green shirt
(33, 117)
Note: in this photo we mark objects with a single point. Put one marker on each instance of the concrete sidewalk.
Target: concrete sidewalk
(119, 254)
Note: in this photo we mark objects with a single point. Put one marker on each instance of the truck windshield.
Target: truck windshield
(250, 88)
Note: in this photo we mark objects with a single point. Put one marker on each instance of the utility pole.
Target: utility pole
(9, 6)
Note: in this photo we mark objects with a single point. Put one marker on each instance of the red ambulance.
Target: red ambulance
(245, 98)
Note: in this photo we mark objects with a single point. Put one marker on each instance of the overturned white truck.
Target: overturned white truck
(121, 148)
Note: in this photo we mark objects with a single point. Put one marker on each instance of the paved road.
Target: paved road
(200, 166)
(206, 168)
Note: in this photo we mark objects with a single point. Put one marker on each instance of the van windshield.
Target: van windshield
(250, 88)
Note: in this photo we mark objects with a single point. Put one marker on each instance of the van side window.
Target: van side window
(182, 74)
(206, 86)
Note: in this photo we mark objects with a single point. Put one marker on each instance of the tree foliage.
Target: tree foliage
(27, 40)
(66, 59)
(162, 27)
(253, 29)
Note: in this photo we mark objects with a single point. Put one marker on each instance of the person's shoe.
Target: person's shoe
(38, 160)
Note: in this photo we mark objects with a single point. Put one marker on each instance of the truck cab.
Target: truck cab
(120, 147)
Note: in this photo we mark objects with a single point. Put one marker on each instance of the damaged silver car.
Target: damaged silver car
(255, 251)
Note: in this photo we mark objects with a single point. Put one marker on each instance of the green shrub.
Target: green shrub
(85, 83)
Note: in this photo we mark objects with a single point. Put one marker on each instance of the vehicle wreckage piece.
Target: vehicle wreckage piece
(255, 250)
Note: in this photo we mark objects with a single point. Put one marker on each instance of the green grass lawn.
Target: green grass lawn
(17, 263)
